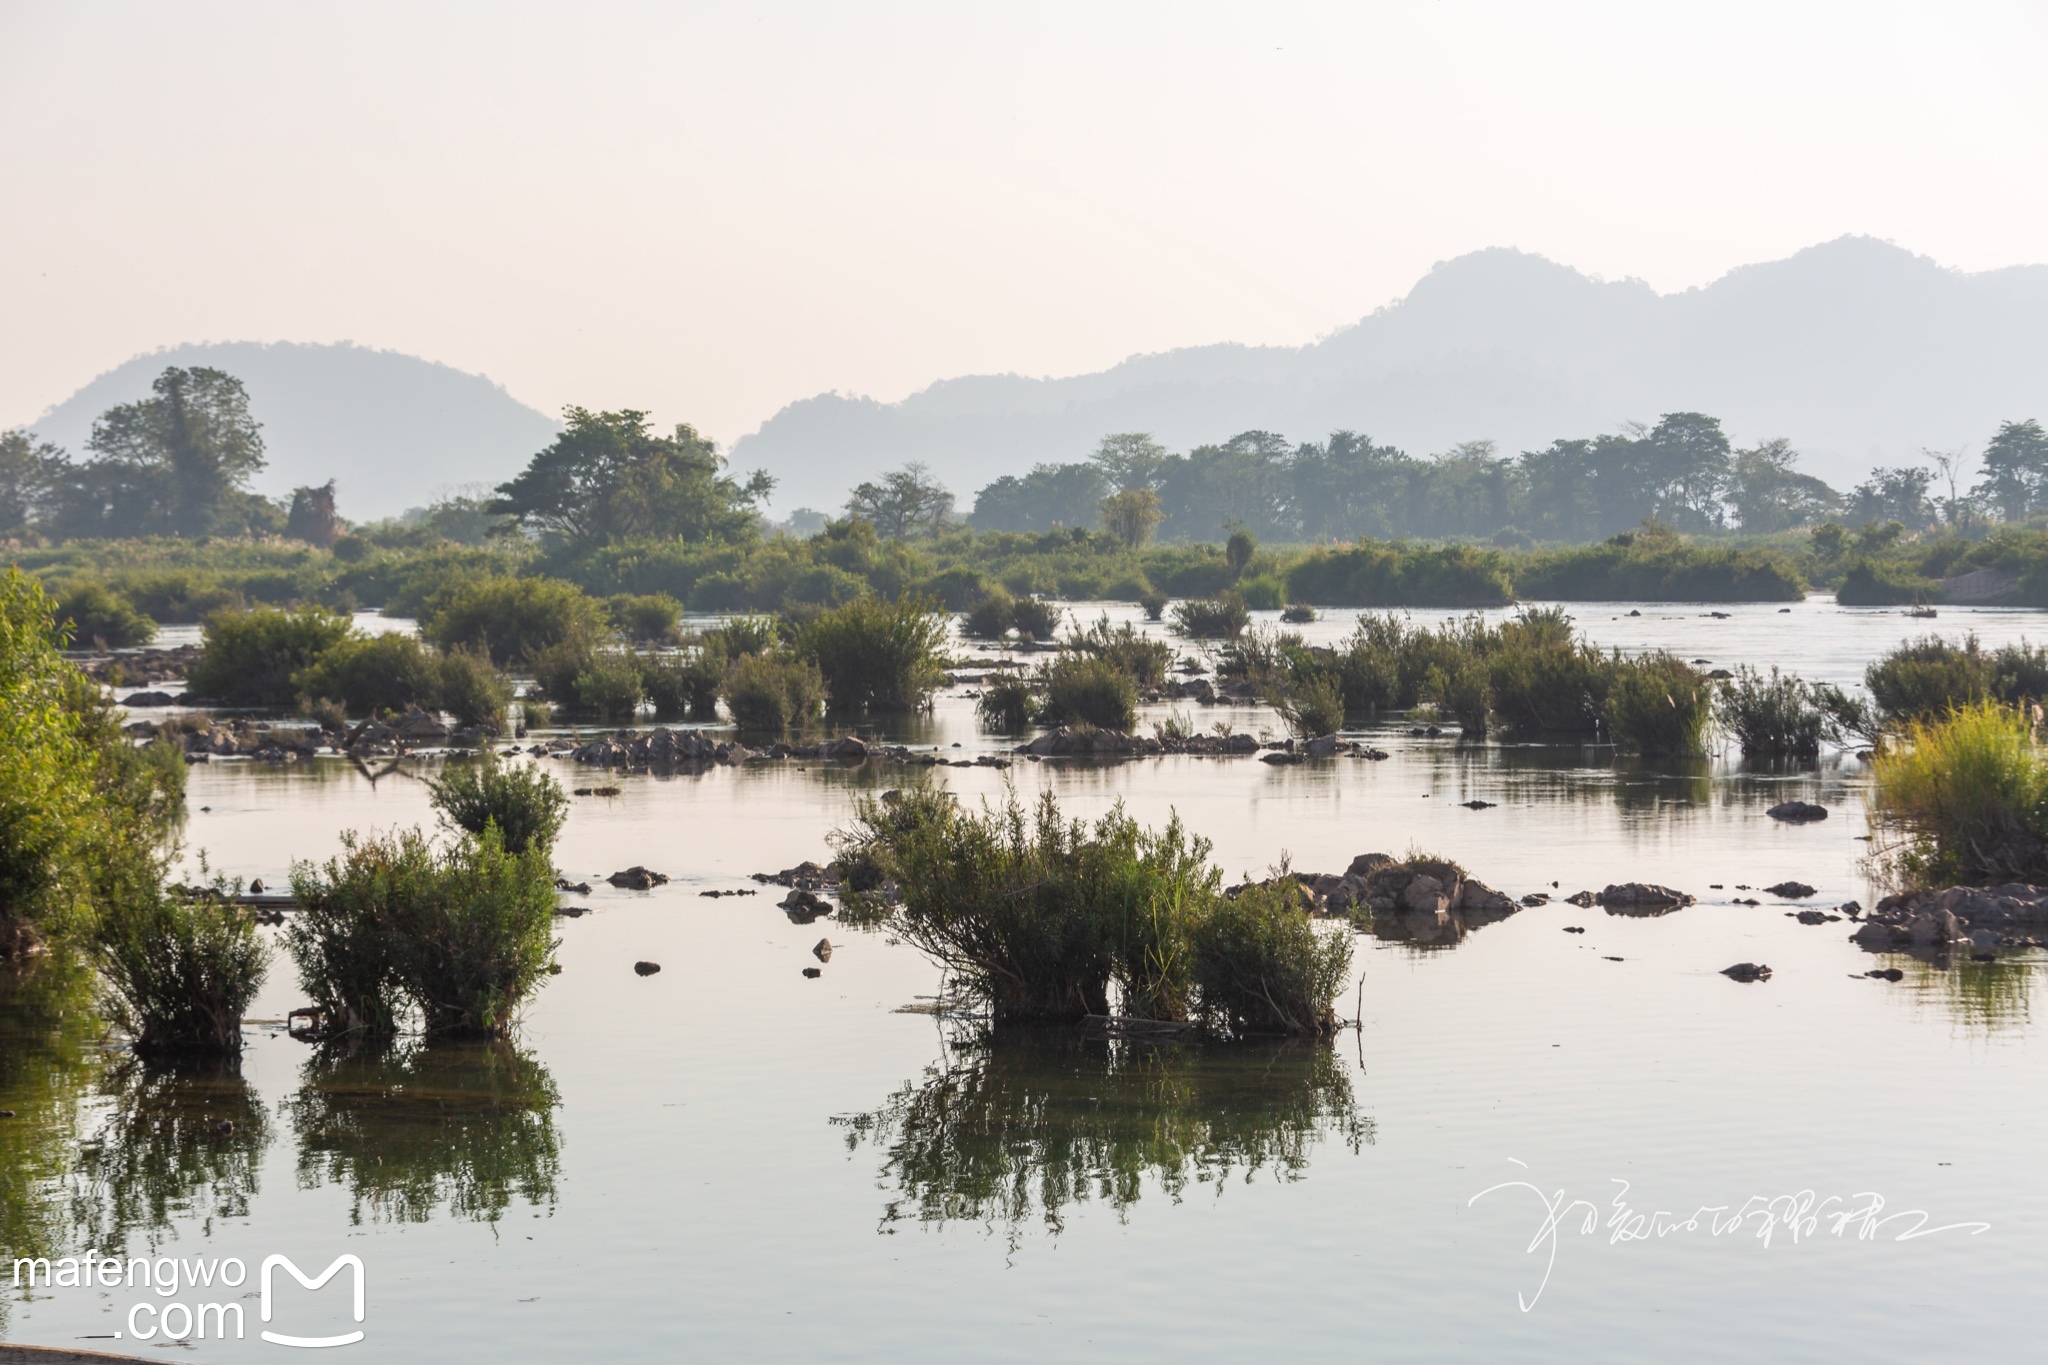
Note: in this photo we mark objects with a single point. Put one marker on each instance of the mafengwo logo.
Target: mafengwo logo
(179, 1321)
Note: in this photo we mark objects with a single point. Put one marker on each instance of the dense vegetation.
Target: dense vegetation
(1968, 794)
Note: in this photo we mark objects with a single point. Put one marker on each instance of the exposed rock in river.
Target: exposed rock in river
(1642, 898)
(1798, 812)
(1932, 923)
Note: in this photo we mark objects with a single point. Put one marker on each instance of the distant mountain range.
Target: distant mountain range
(1860, 352)
(391, 429)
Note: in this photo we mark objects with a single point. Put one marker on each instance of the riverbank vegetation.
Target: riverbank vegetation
(1966, 796)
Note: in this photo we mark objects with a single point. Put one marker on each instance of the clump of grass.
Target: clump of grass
(1144, 660)
(180, 972)
(254, 658)
(772, 693)
(1222, 617)
(1970, 793)
(463, 934)
(1079, 689)
(1263, 593)
(1260, 966)
(535, 715)
(740, 636)
(1177, 728)
(1313, 707)
(877, 656)
(525, 804)
(1040, 917)
(1657, 704)
(1005, 704)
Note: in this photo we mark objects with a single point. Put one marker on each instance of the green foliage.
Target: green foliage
(471, 690)
(1313, 707)
(369, 674)
(98, 615)
(876, 655)
(609, 478)
(1264, 593)
(645, 617)
(1657, 565)
(992, 617)
(1298, 615)
(1370, 574)
(524, 803)
(254, 658)
(46, 761)
(1221, 617)
(180, 972)
(1656, 704)
(1772, 716)
(1969, 790)
(1924, 678)
(512, 619)
(1005, 704)
(685, 682)
(1154, 604)
(1260, 966)
(463, 934)
(1080, 689)
(1035, 618)
(1145, 660)
(1238, 551)
(608, 684)
(771, 693)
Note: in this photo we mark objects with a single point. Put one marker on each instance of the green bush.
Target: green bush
(991, 617)
(1154, 604)
(1970, 792)
(463, 934)
(1371, 574)
(646, 616)
(471, 690)
(1771, 716)
(1313, 707)
(180, 973)
(876, 655)
(1263, 593)
(1144, 660)
(609, 684)
(511, 619)
(740, 636)
(369, 674)
(1298, 615)
(524, 803)
(100, 616)
(1077, 689)
(1005, 704)
(771, 693)
(1206, 618)
(1035, 618)
(1927, 677)
(253, 658)
(684, 683)
(1656, 704)
(1656, 565)
(1261, 966)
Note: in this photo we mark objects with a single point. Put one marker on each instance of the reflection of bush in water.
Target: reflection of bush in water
(1031, 1124)
(174, 1139)
(1990, 997)
(46, 1069)
(411, 1128)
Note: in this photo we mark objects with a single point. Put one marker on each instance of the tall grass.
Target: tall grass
(1005, 704)
(1144, 660)
(1657, 704)
(1969, 792)
(1772, 716)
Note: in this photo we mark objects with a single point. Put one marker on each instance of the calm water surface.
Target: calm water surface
(731, 1161)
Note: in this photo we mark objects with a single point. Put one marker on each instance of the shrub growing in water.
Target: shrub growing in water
(992, 616)
(1145, 660)
(372, 673)
(1005, 704)
(1260, 966)
(1312, 707)
(511, 619)
(471, 690)
(1205, 618)
(527, 805)
(1657, 704)
(180, 973)
(1154, 604)
(651, 616)
(609, 684)
(1778, 716)
(1970, 792)
(876, 655)
(770, 693)
(253, 658)
(684, 683)
(1264, 593)
(1930, 676)
(1035, 618)
(1080, 689)
(97, 613)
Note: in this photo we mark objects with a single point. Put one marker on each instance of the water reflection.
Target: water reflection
(1985, 997)
(170, 1141)
(412, 1128)
(1009, 1131)
(45, 1076)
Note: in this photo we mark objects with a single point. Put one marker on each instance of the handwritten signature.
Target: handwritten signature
(1766, 1218)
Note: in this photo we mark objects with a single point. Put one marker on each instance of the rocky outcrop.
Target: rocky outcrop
(1934, 923)
(1797, 812)
(1790, 890)
(1424, 902)
(637, 879)
(1747, 971)
(1642, 898)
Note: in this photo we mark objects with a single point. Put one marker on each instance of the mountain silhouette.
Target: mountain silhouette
(1860, 352)
(391, 429)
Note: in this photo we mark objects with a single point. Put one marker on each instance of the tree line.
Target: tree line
(1684, 472)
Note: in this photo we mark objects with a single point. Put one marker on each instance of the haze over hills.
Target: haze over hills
(391, 429)
(1861, 352)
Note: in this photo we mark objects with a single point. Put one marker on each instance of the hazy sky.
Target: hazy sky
(708, 211)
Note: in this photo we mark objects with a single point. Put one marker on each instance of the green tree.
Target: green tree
(1688, 459)
(25, 468)
(2016, 470)
(1132, 515)
(1894, 495)
(1129, 459)
(609, 477)
(907, 502)
(1050, 496)
(312, 517)
(177, 463)
(1768, 494)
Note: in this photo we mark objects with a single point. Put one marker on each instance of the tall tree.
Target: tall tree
(1131, 515)
(2016, 470)
(1688, 459)
(609, 477)
(907, 502)
(181, 459)
(26, 465)
(1129, 459)
(1894, 495)
(1769, 494)
(312, 517)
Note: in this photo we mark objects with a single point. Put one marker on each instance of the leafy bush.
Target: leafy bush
(771, 693)
(647, 616)
(1313, 707)
(1970, 792)
(1154, 604)
(98, 614)
(463, 934)
(1206, 618)
(1035, 618)
(740, 636)
(180, 973)
(876, 655)
(1005, 704)
(1928, 677)
(253, 658)
(1077, 689)
(608, 684)
(527, 806)
(991, 617)
(1774, 716)
(1371, 574)
(1657, 704)
(1656, 565)
(684, 683)
(368, 674)
(1144, 660)
(1298, 615)
(471, 690)
(511, 619)
(1261, 966)
(1264, 593)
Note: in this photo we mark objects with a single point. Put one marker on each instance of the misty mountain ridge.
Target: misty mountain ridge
(391, 429)
(1860, 352)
